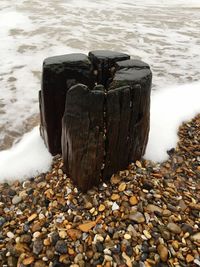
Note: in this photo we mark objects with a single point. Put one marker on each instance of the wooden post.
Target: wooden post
(104, 127)
(59, 74)
(83, 135)
(128, 115)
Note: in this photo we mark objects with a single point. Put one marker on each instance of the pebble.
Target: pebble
(196, 237)
(133, 200)
(163, 252)
(147, 234)
(86, 227)
(99, 247)
(115, 197)
(108, 258)
(115, 206)
(26, 238)
(2, 221)
(63, 234)
(197, 262)
(36, 234)
(187, 228)
(78, 258)
(127, 236)
(174, 228)
(189, 258)
(115, 179)
(89, 254)
(137, 217)
(99, 238)
(16, 200)
(182, 205)
(28, 261)
(32, 217)
(40, 263)
(37, 246)
(92, 210)
(148, 186)
(138, 164)
(107, 251)
(122, 187)
(102, 207)
(107, 226)
(153, 208)
(167, 213)
(50, 253)
(11, 261)
(74, 234)
(88, 205)
(175, 245)
(61, 247)
(10, 235)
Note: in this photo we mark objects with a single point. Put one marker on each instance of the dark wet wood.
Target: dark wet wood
(138, 76)
(104, 64)
(117, 130)
(82, 135)
(59, 74)
(104, 127)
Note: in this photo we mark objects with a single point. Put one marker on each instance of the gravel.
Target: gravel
(147, 215)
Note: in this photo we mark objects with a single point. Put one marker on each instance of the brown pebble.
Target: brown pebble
(138, 164)
(89, 254)
(122, 187)
(63, 234)
(153, 208)
(174, 228)
(163, 252)
(196, 237)
(175, 244)
(32, 217)
(189, 258)
(74, 234)
(71, 251)
(40, 263)
(47, 241)
(133, 200)
(137, 217)
(102, 207)
(115, 179)
(115, 197)
(28, 261)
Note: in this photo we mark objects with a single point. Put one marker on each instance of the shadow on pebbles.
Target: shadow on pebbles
(147, 215)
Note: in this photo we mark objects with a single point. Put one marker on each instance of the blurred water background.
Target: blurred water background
(165, 34)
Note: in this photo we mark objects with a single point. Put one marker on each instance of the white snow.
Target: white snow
(25, 159)
(169, 108)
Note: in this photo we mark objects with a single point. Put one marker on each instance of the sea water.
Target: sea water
(165, 34)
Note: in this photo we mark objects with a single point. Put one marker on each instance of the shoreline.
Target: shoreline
(147, 215)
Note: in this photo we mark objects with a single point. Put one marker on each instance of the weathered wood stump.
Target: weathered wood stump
(59, 74)
(104, 126)
(83, 135)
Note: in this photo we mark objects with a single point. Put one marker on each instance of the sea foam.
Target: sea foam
(169, 108)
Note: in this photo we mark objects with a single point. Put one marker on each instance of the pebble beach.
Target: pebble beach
(147, 215)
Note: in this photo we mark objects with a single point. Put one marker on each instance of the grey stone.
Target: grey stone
(16, 199)
(61, 247)
(174, 228)
(37, 246)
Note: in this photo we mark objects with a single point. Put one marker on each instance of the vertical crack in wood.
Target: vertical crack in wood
(104, 130)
